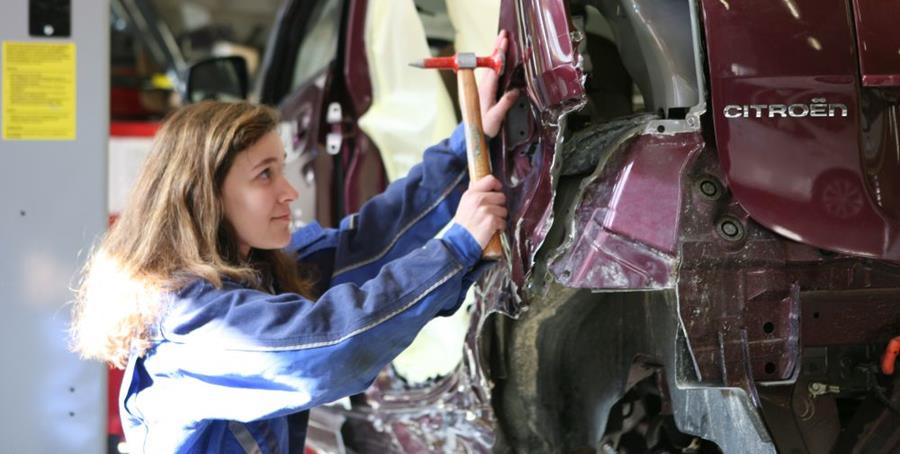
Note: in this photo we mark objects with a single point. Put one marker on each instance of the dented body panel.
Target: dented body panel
(545, 50)
(703, 206)
(626, 224)
(541, 59)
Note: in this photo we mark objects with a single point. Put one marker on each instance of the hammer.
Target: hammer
(464, 64)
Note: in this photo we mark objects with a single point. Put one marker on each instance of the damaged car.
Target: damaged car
(704, 228)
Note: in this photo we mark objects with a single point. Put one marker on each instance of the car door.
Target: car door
(315, 72)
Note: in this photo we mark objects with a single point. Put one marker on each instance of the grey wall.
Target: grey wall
(52, 206)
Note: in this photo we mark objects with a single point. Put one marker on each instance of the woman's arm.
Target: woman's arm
(252, 355)
(361, 251)
(411, 211)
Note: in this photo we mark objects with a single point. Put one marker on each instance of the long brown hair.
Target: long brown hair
(173, 230)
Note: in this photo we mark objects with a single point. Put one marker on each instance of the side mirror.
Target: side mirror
(219, 78)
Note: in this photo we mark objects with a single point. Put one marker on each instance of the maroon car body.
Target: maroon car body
(703, 238)
(828, 112)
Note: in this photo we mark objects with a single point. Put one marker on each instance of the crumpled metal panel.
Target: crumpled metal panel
(543, 61)
(624, 227)
(655, 213)
(548, 53)
(527, 172)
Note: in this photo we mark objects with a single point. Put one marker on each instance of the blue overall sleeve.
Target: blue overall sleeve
(244, 355)
(411, 211)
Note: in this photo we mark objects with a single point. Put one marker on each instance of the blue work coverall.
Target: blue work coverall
(235, 370)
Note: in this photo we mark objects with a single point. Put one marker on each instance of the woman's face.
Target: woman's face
(257, 196)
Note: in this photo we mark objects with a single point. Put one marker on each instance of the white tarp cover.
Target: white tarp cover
(410, 106)
(476, 23)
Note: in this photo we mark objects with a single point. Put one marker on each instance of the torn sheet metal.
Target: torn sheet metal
(624, 228)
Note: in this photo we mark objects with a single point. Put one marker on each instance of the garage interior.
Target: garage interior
(702, 248)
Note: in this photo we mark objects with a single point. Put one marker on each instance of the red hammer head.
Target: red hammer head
(463, 60)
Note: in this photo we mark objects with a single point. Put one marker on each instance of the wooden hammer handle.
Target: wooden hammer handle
(476, 146)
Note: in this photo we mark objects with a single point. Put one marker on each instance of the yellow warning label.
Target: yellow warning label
(38, 91)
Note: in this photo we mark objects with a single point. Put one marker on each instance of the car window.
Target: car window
(319, 45)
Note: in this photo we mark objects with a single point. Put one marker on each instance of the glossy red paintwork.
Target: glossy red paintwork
(801, 177)
(878, 42)
(547, 54)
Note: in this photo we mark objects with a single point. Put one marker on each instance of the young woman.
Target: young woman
(230, 327)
